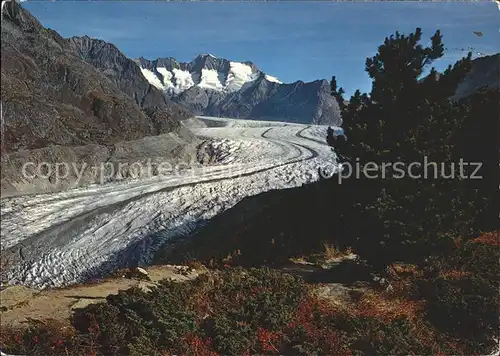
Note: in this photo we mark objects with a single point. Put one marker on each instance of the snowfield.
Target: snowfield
(177, 80)
(68, 237)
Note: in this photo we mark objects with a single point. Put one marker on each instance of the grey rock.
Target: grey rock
(264, 100)
(126, 75)
(485, 73)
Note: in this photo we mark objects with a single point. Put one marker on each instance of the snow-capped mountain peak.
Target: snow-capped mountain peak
(214, 86)
(205, 71)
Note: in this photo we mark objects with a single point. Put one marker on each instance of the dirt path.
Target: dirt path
(19, 303)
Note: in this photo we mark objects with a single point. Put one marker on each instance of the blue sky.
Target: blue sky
(289, 40)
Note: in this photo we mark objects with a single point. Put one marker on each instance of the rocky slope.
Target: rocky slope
(77, 101)
(68, 92)
(218, 87)
(485, 73)
(127, 76)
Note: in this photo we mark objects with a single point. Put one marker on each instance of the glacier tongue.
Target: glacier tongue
(69, 237)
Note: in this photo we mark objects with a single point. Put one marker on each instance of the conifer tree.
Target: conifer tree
(337, 93)
(406, 116)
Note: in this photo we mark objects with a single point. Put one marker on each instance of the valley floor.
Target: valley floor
(52, 240)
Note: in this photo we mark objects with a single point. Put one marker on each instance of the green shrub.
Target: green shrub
(155, 320)
(50, 337)
(221, 311)
(466, 307)
(230, 336)
(370, 336)
(461, 290)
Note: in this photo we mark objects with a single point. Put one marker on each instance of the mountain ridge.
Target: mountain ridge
(53, 96)
(485, 73)
(213, 86)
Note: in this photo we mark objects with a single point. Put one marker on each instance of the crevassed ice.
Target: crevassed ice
(257, 156)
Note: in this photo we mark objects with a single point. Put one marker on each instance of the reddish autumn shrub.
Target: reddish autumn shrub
(49, 337)
(266, 312)
(193, 344)
(268, 341)
(233, 311)
(308, 332)
(460, 291)
(490, 238)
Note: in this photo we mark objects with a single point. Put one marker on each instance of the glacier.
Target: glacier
(59, 239)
